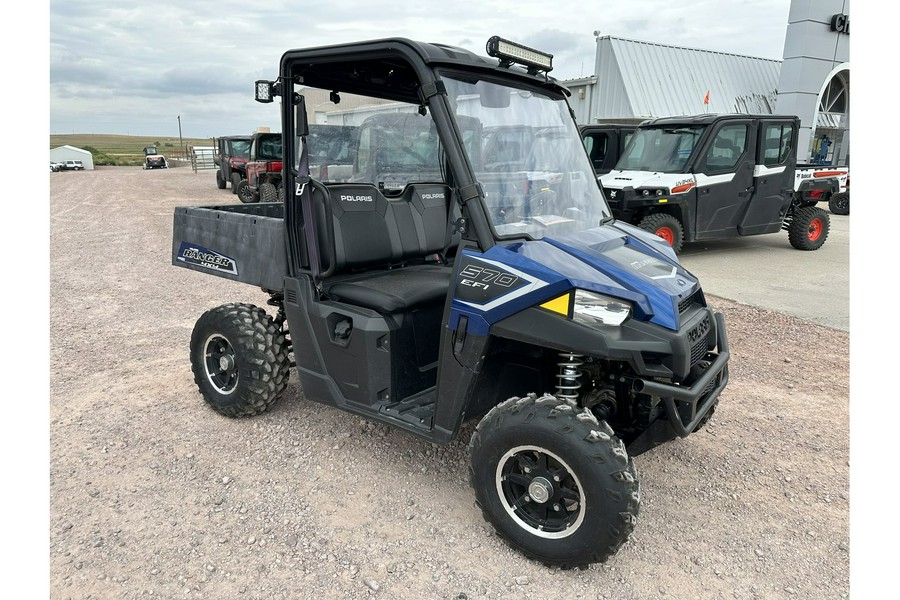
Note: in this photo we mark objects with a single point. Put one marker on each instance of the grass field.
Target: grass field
(125, 150)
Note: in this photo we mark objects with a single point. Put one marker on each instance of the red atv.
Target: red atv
(231, 158)
(263, 170)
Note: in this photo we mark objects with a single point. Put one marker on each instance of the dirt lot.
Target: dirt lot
(153, 495)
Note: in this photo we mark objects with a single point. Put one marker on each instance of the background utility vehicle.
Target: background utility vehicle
(231, 157)
(836, 195)
(262, 181)
(716, 176)
(154, 160)
(605, 143)
(439, 291)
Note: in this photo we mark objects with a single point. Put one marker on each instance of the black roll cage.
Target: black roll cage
(392, 69)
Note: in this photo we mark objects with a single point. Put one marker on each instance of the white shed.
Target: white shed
(64, 153)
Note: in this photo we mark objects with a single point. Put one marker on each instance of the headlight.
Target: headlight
(596, 309)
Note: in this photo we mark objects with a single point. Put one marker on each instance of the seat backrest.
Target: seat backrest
(370, 230)
(365, 232)
(422, 218)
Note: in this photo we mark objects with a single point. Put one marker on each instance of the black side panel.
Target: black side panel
(343, 353)
(461, 359)
(343, 356)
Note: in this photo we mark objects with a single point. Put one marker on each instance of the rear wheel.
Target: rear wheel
(239, 357)
(665, 226)
(554, 482)
(809, 227)
(235, 181)
(220, 180)
(839, 204)
(267, 192)
(281, 193)
(245, 193)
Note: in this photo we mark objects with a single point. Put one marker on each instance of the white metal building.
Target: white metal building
(64, 153)
(815, 77)
(636, 80)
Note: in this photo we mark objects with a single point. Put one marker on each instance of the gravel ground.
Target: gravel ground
(153, 495)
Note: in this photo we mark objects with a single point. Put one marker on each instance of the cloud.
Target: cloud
(112, 63)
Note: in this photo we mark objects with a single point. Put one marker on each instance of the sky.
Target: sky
(135, 68)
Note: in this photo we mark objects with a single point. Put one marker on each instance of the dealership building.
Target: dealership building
(637, 80)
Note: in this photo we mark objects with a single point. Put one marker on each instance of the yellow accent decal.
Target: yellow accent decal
(663, 200)
(559, 305)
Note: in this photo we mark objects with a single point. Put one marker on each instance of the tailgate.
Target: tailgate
(239, 242)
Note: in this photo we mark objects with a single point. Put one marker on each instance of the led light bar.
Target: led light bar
(511, 52)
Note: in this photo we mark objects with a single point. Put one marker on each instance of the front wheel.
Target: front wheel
(809, 228)
(839, 204)
(555, 483)
(239, 356)
(235, 182)
(245, 193)
(665, 226)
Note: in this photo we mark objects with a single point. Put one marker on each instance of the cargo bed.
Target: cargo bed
(243, 242)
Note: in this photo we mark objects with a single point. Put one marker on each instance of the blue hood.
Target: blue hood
(617, 259)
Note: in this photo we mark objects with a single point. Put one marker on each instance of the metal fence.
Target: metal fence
(202, 157)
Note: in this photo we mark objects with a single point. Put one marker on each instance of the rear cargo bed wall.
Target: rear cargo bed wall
(239, 242)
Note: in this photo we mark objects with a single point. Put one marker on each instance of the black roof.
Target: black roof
(393, 68)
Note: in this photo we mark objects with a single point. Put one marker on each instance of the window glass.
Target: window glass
(596, 145)
(661, 149)
(536, 176)
(727, 147)
(777, 140)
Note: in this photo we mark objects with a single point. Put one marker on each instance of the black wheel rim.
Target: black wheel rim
(540, 492)
(221, 364)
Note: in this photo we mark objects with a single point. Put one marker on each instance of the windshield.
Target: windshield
(269, 147)
(660, 149)
(240, 148)
(533, 167)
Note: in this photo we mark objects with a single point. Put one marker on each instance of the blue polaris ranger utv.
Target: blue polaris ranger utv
(427, 284)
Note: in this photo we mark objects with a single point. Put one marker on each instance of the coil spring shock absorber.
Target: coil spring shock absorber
(568, 383)
(277, 300)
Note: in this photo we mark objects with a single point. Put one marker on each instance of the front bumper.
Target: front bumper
(697, 399)
(627, 201)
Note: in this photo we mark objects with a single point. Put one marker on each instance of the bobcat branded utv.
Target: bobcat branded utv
(717, 176)
(153, 160)
(427, 289)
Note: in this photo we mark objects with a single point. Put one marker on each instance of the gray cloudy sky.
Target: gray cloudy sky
(133, 68)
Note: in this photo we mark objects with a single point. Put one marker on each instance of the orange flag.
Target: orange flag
(706, 100)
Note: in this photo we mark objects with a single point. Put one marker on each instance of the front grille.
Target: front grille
(686, 303)
(699, 338)
(698, 351)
